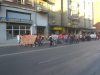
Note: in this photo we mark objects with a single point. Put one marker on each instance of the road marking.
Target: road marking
(31, 51)
(11, 54)
(50, 60)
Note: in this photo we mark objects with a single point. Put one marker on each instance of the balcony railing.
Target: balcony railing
(75, 16)
(42, 9)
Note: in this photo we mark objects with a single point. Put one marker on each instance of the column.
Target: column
(46, 31)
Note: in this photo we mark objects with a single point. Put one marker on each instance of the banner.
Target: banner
(27, 39)
(6, 19)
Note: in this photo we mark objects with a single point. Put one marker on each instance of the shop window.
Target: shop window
(14, 30)
(27, 27)
(22, 32)
(9, 34)
(15, 33)
(27, 31)
(15, 26)
(9, 26)
(22, 27)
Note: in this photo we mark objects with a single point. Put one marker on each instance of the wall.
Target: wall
(58, 12)
(2, 26)
(42, 19)
(96, 12)
(2, 32)
(81, 14)
(65, 12)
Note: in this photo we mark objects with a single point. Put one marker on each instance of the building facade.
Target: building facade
(96, 15)
(79, 15)
(19, 17)
(71, 16)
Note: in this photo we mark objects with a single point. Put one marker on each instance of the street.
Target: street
(75, 59)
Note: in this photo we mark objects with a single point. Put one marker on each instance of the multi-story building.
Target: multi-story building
(96, 15)
(18, 17)
(72, 16)
(44, 16)
(79, 15)
(55, 16)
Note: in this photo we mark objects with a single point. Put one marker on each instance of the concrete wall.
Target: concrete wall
(2, 32)
(42, 19)
(58, 12)
(2, 26)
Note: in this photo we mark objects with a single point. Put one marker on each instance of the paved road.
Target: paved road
(75, 59)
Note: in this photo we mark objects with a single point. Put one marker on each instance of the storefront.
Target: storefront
(15, 26)
(57, 29)
(40, 30)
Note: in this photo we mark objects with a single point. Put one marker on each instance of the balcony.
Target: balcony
(75, 16)
(42, 9)
(45, 0)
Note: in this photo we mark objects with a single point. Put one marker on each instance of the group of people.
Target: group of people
(72, 38)
(55, 39)
(63, 39)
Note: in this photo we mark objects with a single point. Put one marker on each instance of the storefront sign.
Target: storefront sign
(3, 19)
(69, 24)
(57, 28)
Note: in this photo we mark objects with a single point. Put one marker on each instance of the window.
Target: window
(22, 27)
(19, 15)
(9, 34)
(9, 0)
(15, 33)
(12, 30)
(28, 27)
(20, 1)
(29, 2)
(22, 32)
(9, 26)
(15, 26)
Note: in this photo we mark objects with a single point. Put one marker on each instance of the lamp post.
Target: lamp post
(36, 17)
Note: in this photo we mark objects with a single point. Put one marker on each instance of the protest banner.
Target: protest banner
(28, 39)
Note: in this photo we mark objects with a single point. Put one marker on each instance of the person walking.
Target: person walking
(55, 37)
(18, 39)
(51, 41)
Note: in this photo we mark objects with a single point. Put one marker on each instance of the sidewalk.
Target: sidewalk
(11, 43)
(8, 43)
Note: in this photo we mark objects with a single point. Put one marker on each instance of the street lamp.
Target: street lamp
(35, 25)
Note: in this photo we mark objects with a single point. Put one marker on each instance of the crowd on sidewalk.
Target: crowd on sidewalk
(55, 39)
